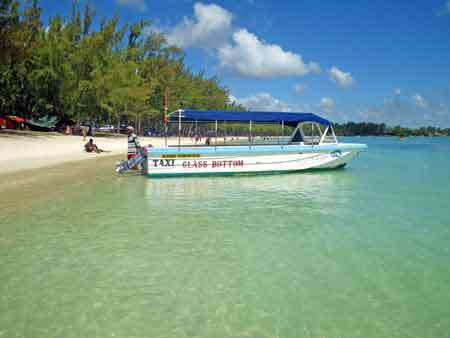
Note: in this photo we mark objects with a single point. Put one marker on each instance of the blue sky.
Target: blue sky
(381, 61)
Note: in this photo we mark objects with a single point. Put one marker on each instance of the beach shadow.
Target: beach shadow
(7, 133)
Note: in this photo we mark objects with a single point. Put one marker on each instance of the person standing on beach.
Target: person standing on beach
(133, 143)
(84, 132)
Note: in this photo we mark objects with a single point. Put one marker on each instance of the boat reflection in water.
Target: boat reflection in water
(310, 188)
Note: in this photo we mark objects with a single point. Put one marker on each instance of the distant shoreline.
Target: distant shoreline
(390, 135)
(34, 150)
(381, 129)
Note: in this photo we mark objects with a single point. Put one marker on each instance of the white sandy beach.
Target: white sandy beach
(37, 150)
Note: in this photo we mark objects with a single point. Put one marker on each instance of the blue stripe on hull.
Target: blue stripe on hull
(257, 149)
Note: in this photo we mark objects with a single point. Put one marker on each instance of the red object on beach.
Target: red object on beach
(16, 119)
(11, 121)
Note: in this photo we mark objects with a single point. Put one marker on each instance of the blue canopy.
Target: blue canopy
(290, 119)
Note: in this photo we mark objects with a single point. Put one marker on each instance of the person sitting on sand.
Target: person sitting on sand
(92, 147)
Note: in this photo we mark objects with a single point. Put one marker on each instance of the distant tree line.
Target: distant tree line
(108, 73)
(375, 129)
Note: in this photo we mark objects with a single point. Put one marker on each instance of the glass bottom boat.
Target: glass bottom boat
(312, 145)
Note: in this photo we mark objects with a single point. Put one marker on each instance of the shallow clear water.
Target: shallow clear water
(359, 252)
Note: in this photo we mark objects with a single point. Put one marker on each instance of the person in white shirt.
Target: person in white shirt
(133, 143)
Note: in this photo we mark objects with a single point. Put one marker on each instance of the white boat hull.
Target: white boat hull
(246, 164)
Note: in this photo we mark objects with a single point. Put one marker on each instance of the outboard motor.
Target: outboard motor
(144, 163)
(139, 159)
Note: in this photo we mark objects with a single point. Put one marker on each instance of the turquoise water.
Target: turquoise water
(359, 252)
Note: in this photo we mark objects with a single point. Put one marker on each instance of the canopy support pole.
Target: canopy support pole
(166, 110)
(334, 135)
(215, 142)
(282, 130)
(224, 132)
(302, 134)
(250, 129)
(322, 138)
(179, 129)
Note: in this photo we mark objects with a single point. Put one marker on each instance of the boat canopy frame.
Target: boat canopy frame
(288, 118)
(295, 120)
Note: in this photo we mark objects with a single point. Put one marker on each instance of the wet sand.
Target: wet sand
(48, 184)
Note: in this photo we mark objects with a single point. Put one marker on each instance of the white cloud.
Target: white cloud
(266, 102)
(400, 111)
(314, 67)
(137, 4)
(299, 88)
(210, 28)
(397, 92)
(444, 10)
(342, 78)
(419, 101)
(327, 104)
(232, 99)
(249, 56)
(239, 52)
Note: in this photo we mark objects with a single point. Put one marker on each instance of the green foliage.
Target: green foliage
(112, 74)
(374, 129)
